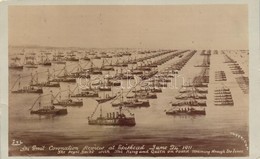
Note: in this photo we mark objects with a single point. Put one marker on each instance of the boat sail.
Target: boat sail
(132, 103)
(112, 119)
(26, 89)
(106, 98)
(30, 61)
(58, 59)
(15, 64)
(44, 60)
(48, 83)
(49, 109)
(68, 101)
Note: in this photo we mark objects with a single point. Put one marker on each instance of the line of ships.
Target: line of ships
(190, 101)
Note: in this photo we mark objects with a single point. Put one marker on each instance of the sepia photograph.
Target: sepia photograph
(128, 80)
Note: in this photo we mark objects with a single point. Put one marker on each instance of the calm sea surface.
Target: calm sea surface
(212, 131)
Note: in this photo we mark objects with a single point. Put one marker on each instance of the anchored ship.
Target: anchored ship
(113, 119)
(47, 110)
(26, 89)
(48, 83)
(15, 64)
(68, 101)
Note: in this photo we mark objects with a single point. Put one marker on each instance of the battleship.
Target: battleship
(30, 62)
(186, 111)
(15, 64)
(106, 98)
(45, 61)
(132, 103)
(85, 94)
(26, 89)
(58, 59)
(47, 110)
(71, 57)
(143, 94)
(67, 101)
(113, 119)
(48, 83)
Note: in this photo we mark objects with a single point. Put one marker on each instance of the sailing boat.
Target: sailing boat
(71, 57)
(86, 58)
(45, 61)
(143, 94)
(93, 70)
(15, 64)
(133, 103)
(43, 84)
(48, 110)
(28, 89)
(87, 93)
(106, 98)
(58, 59)
(68, 101)
(64, 78)
(30, 62)
(114, 119)
(106, 67)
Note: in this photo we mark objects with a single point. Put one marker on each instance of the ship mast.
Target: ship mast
(48, 75)
(39, 101)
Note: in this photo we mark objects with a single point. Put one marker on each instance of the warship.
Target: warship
(106, 98)
(30, 62)
(71, 57)
(58, 59)
(15, 64)
(48, 110)
(45, 61)
(26, 89)
(48, 83)
(68, 101)
(186, 111)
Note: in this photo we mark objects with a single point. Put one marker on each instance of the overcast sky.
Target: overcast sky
(180, 27)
